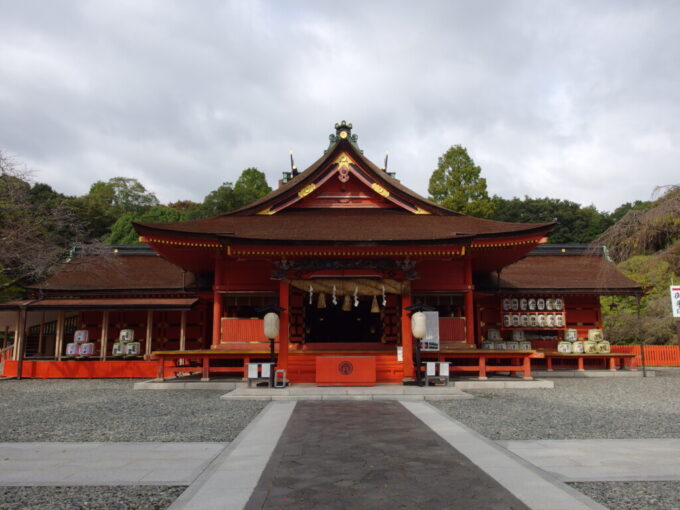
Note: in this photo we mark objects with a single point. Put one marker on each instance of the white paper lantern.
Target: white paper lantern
(419, 325)
(271, 325)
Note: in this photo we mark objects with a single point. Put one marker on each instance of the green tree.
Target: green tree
(575, 224)
(250, 186)
(122, 231)
(107, 201)
(457, 184)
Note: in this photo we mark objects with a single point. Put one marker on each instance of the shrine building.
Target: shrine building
(344, 250)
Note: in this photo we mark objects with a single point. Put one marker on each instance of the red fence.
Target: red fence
(655, 355)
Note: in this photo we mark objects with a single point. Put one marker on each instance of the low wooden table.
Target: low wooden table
(520, 361)
(199, 360)
(611, 359)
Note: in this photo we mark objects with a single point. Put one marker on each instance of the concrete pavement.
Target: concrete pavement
(612, 460)
(104, 463)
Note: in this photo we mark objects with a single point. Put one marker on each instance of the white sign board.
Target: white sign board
(675, 300)
(431, 340)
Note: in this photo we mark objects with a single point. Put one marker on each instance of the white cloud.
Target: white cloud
(570, 100)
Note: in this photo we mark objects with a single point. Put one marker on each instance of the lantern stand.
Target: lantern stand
(270, 326)
(419, 330)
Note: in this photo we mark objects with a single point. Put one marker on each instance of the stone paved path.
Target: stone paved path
(370, 455)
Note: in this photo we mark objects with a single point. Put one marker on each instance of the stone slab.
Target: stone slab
(537, 489)
(605, 460)
(378, 392)
(99, 463)
(228, 482)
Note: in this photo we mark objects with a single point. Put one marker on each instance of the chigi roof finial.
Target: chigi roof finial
(343, 131)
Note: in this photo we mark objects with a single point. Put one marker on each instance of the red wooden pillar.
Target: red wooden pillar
(284, 294)
(407, 338)
(217, 302)
(469, 303)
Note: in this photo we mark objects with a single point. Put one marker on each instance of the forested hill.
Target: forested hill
(645, 243)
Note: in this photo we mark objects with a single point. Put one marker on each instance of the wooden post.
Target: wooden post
(5, 338)
(17, 337)
(20, 345)
(105, 334)
(41, 333)
(469, 303)
(183, 331)
(149, 334)
(218, 304)
(406, 339)
(284, 302)
(59, 335)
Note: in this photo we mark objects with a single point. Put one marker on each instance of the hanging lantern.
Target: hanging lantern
(271, 325)
(346, 304)
(419, 325)
(374, 305)
(322, 300)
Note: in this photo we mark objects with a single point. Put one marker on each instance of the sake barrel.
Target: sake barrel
(126, 335)
(564, 347)
(603, 347)
(590, 347)
(525, 345)
(577, 347)
(132, 349)
(595, 335)
(86, 349)
(72, 349)
(81, 336)
(488, 345)
(512, 346)
(118, 349)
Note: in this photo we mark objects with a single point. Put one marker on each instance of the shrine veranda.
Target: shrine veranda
(345, 251)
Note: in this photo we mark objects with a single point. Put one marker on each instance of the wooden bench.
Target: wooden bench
(199, 361)
(611, 359)
(486, 361)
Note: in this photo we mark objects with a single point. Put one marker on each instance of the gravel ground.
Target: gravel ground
(110, 410)
(593, 408)
(146, 497)
(633, 495)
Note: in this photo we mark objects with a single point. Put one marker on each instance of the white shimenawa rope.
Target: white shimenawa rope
(335, 299)
(356, 296)
(311, 293)
(384, 297)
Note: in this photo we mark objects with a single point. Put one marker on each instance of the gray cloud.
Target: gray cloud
(574, 100)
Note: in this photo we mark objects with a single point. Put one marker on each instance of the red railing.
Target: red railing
(655, 355)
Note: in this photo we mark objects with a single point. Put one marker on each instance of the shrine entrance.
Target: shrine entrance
(343, 324)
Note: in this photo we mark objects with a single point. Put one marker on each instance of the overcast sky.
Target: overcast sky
(573, 100)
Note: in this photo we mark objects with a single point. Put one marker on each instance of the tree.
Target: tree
(456, 184)
(122, 231)
(37, 228)
(250, 186)
(107, 201)
(575, 224)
